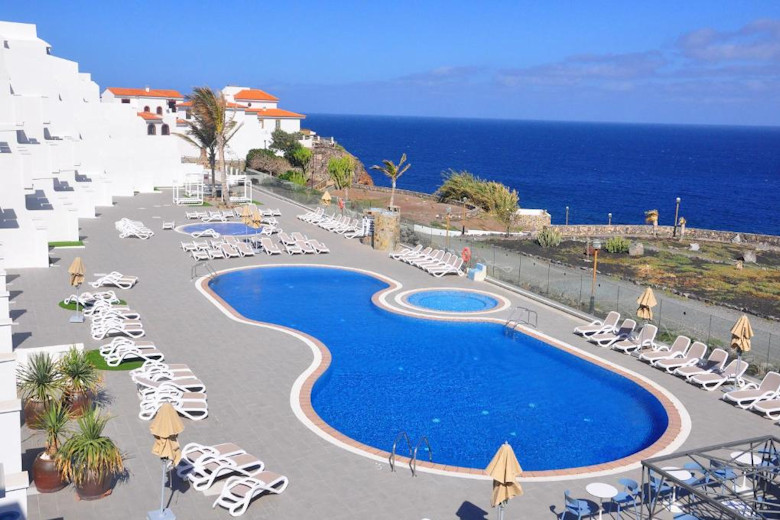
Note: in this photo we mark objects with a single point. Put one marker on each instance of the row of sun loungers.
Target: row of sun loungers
(435, 262)
(223, 247)
(133, 229)
(246, 475)
(227, 214)
(689, 360)
(296, 243)
(232, 247)
(341, 224)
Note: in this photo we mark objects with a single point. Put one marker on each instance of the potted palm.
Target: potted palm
(40, 383)
(89, 459)
(80, 381)
(53, 422)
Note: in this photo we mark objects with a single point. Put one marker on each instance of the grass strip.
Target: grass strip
(72, 306)
(66, 244)
(96, 359)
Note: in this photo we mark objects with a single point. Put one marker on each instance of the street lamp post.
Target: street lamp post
(596, 247)
(447, 239)
(609, 219)
(567, 215)
(463, 220)
(676, 214)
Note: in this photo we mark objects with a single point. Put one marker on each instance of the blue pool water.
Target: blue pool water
(223, 228)
(452, 301)
(467, 386)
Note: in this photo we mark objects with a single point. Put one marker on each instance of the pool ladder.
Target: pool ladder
(412, 452)
(206, 265)
(522, 316)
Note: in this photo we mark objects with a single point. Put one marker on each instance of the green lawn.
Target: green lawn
(96, 359)
(72, 306)
(66, 244)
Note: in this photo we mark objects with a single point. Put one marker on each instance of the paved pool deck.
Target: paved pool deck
(250, 371)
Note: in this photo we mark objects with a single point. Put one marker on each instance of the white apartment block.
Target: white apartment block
(63, 152)
(165, 112)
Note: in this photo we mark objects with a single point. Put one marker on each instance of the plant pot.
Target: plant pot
(32, 412)
(45, 475)
(78, 403)
(95, 489)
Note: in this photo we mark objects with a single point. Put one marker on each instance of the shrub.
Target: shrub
(617, 245)
(549, 237)
(294, 176)
(270, 163)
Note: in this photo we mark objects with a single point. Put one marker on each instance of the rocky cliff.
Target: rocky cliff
(325, 151)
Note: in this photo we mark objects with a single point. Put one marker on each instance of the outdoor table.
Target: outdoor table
(601, 491)
(679, 474)
(745, 458)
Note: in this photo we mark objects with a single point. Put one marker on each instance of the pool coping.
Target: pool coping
(402, 299)
(677, 430)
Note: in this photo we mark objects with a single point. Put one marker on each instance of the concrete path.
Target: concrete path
(249, 373)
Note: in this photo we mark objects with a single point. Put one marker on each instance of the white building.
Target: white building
(63, 152)
(255, 111)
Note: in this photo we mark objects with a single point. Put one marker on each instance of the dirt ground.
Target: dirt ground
(424, 211)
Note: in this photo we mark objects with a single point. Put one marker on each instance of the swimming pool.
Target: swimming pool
(223, 228)
(452, 300)
(467, 386)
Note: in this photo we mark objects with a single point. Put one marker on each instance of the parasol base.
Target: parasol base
(76, 318)
(165, 514)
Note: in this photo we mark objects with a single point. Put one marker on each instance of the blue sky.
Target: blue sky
(695, 61)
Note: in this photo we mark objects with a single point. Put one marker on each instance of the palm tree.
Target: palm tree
(393, 171)
(212, 108)
(201, 135)
(651, 217)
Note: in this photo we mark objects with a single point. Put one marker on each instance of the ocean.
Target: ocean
(727, 178)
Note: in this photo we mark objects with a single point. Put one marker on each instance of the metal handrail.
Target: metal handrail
(531, 317)
(203, 263)
(413, 462)
(398, 437)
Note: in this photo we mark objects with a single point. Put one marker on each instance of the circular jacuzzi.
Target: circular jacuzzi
(452, 300)
(223, 228)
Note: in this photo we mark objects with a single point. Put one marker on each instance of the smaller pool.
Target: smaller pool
(451, 300)
(223, 228)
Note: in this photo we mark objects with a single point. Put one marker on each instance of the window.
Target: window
(125, 101)
(187, 115)
(278, 124)
(5, 147)
(159, 111)
(151, 130)
(172, 105)
(262, 123)
(165, 130)
(146, 109)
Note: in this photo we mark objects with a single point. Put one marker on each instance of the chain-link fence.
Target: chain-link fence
(570, 286)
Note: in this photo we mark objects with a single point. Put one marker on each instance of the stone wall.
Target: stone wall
(665, 232)
(387, 230)
(533, 222)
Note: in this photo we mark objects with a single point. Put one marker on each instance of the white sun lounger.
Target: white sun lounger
(645, 339)
(209, 468)
(194, 451)
(244, 249)
(239, 492)
(122, 354)
(406, 251)
(752, 393)
(693, 356)
(269, 247)
(318, 246)
(606, 339)
(731, 374)
(191, 405)
(201, 254)
(120, 342)
(205, 233)
(769, 407)
(148, 386)
(89, 298)
(677, 350)
(170, 224)
(453, 267)
(305, 247)
(713, 364)
(114, 327)
(609, 325)
(115, 279)
(293, 249)
(155, 370)
(230, 252)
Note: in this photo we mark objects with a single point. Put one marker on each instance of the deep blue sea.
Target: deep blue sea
(468, 387)
(727, 177)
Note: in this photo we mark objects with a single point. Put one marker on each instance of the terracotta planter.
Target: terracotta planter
(95, 489)
(78, 403)
(32, 412)
(45, 475)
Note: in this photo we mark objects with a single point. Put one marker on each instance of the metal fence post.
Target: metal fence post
(617, 299)
(493, 247)
(579, 301)
(549, 266)
(660, 312)
(709, 330)
(768, 348)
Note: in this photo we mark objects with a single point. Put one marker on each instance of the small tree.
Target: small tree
(342, 172)
(285, 142)
(504, 203)
(651, 217)
(301, 157)
(393, 171)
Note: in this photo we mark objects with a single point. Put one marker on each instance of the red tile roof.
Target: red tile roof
(254, 94)
(142, 92)
(149, 116)
(275, 113)
(180, 121)
(229, 105)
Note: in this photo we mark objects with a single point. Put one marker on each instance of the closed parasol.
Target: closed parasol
(504, 469)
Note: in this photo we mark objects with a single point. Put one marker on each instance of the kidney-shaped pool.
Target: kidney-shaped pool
(467, 386)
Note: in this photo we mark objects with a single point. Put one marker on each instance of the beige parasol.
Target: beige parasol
(741, 333)
(646, 303)
(504, 470)
(325, 198)
(257, 219)
(76, 271)
(246, 214)
(165, 428)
